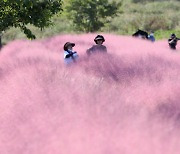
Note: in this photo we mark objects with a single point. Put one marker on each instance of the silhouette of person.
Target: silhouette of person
(69, 55)
(99, 47)
(173, 41)
(151, 37)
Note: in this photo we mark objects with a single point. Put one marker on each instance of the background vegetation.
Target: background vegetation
(160, 16)
(91, 15)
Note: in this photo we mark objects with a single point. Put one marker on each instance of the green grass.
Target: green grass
(150, 17)
(162, 34)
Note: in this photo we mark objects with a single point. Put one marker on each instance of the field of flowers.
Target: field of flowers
(122, 102)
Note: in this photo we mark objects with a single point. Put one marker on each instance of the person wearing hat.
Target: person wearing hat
(69, 55)
(173, 41)
(99, 47)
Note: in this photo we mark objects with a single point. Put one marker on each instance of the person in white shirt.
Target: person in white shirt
(70, 56)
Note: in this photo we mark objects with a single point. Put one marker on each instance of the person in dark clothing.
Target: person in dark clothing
(140, 34)
(151, 37)
(69, 55)
(99, 47)
(173, 41)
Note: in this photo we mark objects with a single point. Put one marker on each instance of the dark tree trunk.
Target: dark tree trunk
(0, 43)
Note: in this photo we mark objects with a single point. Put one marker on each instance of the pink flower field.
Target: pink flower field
(124, 102)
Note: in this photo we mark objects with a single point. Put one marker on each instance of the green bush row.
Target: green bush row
(162, 17)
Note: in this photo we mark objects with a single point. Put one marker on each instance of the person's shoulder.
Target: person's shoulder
(103, 46)
(169, 39)
(93, 47)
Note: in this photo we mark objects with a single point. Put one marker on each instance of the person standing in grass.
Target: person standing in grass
(173, 41)
(151, 37)
(70, 56)
(99, 47)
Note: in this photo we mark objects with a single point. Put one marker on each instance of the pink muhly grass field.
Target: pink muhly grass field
(123, 102)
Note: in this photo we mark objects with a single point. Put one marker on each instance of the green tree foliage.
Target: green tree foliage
(91, 15)
(142, 1)
(20, 13)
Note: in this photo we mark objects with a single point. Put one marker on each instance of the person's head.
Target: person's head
(68, 46)
(151, 33)
(99, 39)
(173, 35)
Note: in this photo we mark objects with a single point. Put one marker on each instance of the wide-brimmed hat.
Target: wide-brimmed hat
(99, 37)
(68, 44)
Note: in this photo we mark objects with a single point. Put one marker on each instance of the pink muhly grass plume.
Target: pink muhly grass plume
(122, 102)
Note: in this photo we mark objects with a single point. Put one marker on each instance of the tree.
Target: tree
(20, 13)
(91, 15)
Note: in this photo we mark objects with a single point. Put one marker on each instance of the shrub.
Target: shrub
(91, 15)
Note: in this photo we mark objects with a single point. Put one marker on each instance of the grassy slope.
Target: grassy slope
(161, 17)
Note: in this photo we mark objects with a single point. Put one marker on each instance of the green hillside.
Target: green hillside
(160, 16)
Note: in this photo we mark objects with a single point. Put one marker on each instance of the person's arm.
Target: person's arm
(170, 41)
(88, 51)
(69, 55)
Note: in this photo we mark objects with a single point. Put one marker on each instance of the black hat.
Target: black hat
(140, 33)
(68, 44)
(173, 35)
(99, 37)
